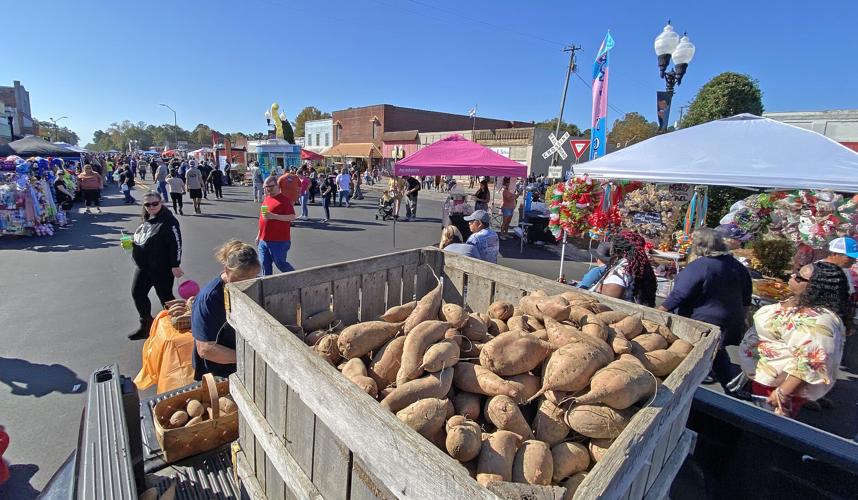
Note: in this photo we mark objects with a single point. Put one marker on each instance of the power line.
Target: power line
(590, 86)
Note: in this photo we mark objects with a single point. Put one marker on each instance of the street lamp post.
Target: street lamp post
(668, 46)
(56, 130)
(175, 127)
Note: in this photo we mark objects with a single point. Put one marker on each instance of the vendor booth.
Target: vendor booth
(274, 155)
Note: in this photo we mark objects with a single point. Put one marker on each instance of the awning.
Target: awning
(455, 155)
(353, 150)
(306, 154)
(400, 136)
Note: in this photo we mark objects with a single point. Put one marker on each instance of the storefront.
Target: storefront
(274, 155)
(364, 154)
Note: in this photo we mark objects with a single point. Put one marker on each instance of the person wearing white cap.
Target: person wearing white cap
(842, 252)
(482, 236)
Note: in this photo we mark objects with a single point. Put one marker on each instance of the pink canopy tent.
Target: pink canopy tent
(455, 155)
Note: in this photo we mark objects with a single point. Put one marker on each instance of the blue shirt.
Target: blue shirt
(463, 249)
(487, 244)
(592, 276)
(208, 323)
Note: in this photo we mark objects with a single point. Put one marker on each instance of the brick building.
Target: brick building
(15, 103)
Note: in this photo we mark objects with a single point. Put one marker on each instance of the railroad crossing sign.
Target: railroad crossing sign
(557, 146)
(579, 146)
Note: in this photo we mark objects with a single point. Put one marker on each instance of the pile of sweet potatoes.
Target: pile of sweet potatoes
(533, 392)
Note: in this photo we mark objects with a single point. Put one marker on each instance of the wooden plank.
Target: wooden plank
(661, 486)
(274, 484)
(287, 468)
(315, 299)
(454, 286)
(373, 295)
(404, 461)
(259, 401)
(276, 398)
(409, 276)
(331, 464)
(300, 425)
(283, 307)
(296, 280)
(248, 480)
(516, 491)
(347, 300)
(365, 486)
(507, 293)
(660, 453)
(428, 272)
(239, 356)
(249, 376)
(394, 287)
(638, 487)
(478, 298)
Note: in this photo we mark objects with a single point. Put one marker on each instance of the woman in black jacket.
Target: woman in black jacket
(157, 252)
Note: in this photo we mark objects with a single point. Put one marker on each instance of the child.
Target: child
(176, 186)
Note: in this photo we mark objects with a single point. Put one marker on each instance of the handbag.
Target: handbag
(218, 429)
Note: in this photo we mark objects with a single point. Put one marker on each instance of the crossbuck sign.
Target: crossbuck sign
(557, 146)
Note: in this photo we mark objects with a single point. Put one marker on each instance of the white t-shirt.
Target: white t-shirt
(618, 275)
(344, 182)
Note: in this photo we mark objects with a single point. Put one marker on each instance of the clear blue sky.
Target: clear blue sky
(224, 63)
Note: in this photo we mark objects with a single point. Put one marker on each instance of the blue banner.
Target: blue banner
(599, 124)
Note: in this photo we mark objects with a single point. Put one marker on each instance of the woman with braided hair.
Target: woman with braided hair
(630, 276)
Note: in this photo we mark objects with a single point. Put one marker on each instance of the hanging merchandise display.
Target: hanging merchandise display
(651, 212)
(569, 206)
(605, 219)
(27, 204)
(695, 217)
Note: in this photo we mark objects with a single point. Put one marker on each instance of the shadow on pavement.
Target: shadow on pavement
(218, 216)
(34, 379)
(18, 486)
(85, 232)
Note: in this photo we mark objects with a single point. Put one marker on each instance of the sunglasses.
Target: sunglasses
(152, 204)
(799, 278)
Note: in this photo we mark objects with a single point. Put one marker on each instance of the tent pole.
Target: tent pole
(562, 256)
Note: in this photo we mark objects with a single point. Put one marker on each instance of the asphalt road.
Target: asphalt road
(66, 306)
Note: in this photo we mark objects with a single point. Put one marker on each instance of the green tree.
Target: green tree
(551, 123)
(59, 134)
(307, 114)
(202, 134)
(630, 129)
(725, 95)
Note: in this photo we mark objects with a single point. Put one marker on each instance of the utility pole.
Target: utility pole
(175, 127)
(571, 49)
(681, 112)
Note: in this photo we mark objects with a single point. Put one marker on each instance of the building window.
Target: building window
(337, 130)
(374, 129)
(317, 139)
(327, 138)
(309, 139)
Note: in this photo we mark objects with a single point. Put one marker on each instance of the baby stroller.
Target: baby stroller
(385, 207)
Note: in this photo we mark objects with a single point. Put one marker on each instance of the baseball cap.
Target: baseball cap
(482, 216)
(602, 252)
(844, 245)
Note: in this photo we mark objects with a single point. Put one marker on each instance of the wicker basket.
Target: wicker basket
(207, 435)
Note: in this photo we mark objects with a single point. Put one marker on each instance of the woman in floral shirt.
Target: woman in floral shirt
(793, 351)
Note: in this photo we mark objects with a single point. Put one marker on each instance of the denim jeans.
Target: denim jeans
(410, 207)
(327, 204)
(274, 252)
(128, 197)
(344, 196)
(304, 200)
(162, 188)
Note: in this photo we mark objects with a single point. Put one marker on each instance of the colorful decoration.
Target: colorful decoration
(569, 206)
(651, 212)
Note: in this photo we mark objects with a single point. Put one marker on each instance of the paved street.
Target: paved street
(67, 309)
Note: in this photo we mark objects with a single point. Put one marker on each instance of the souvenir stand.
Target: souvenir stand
(455, 155)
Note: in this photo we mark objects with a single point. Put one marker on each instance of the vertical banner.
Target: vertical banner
(663, 100)
(598, 132)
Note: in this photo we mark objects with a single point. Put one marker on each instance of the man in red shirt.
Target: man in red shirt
(275, 224)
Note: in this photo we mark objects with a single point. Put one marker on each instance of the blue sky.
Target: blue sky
(224, 63)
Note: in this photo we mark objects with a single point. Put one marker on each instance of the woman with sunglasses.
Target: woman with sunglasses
(157, 252)
(792, 352)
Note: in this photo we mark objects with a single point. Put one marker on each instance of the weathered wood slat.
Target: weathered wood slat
(660, 453)
(347, 300)
(454, 286)
(507, 293)
(295, 478)
(274, 486)
(259, 391)
(404, 461)
(394, 287)
(249, 376)
(661, 486)
(365, 486)
(409, 276)
(517, 491)
(300, 430)
(426, 274)
(276, 395)
(331, 464)
(373, 295)
(283, 306)
(248, 480)
(479, 294)
(315, 299)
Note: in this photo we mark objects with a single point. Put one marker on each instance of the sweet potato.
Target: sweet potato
(355, 370)
(504, 413)
(470, 350)
(312, 338)
(518, 323)
(328, 347)
(478, 380)
(598, 307)
(433, 385)
(540, 334)
(597, 330)
(555, 307)
(598, 448)
(548, 424)
(320, 320)
(668, 335)
(398, 314)
(416, 343)
(649, 325)
(577, 313)
(573, 294)
(611, 317)
(630, 326)
(572, 485)
(361, 339)
(513, 353)
(475, 329)
(454, 314)
(660, 362)
(560, 334)
(385, 363)
(556, 397)
(453, 335)
(425, 416)
(468, 404)
(598, 421)
(533, 464)
(496, 327)
(681, 347)
(501, 310)
(497, 455)
(427, 309)
(463, 440)
(439, 356)
(530, 385)
(570, 367)
(619, 385)
(650, 341)
(534, 324)
(569, 459)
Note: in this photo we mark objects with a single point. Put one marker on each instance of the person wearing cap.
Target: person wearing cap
(482, 236)
(602, 255)
(842, 252)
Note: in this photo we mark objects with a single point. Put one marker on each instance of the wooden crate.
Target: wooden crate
(307, 432)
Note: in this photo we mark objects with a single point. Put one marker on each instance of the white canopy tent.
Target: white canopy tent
(743, 150)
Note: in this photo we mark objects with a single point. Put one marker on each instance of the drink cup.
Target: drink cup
(264, 209)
